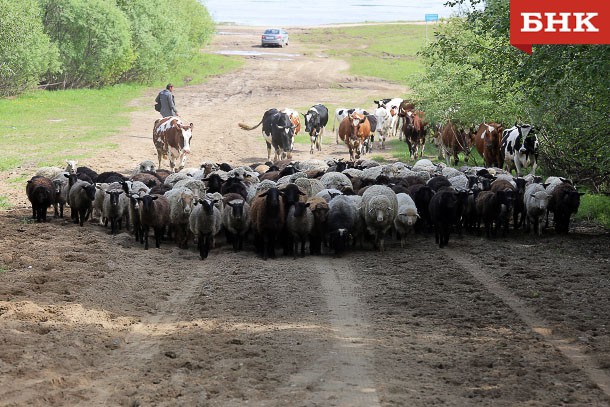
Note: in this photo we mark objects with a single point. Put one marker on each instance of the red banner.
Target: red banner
(559, 22)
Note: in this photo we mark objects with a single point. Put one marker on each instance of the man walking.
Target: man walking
(165, 98)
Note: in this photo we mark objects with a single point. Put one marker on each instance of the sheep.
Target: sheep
(337, 180)
(379, 208)
(406, 217)
(289, 179)
(299, 223)
(71, 166)
(422, 195)
(205, 222)
(504, 185)
(492, 207)
(536, 201)
(310, 186)
(319, 208)
(62, 187)
(261, 187)
(328, 194)
(114, 209)
(150, 179)
(145, 166)
(81, 197)
(154, 212)
(553, 182)
(438, 182)
(100, 197)
(341, 220)
(110, 176)
(564, 201)
(236, 221)
(93, 175)
(460, 182)
(267, 214)
(234, 184)
(444, 212)
(181, 201)
(41, 194)
(197, 186)
(172, 178)
(49, 172)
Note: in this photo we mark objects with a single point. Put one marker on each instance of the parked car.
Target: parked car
(274, 36)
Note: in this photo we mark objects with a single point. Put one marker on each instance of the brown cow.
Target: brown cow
(354, 130)
(488, 141)
(414, 130)
(172, 140)
(454, 140)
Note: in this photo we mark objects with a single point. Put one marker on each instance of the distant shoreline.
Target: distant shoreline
(335, 25)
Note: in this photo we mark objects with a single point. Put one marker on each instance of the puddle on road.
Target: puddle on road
(257, 53)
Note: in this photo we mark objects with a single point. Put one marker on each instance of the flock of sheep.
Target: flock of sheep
(328, 205)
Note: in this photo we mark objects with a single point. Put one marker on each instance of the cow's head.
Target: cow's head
(187, 134)
(356, 120)
(312, 120)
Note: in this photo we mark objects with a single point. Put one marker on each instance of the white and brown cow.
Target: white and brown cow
(172, 139)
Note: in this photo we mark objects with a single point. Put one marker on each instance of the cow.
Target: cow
(278, 131)
(367, 147)
(172, 139)
(316, 119)
(392, 106)
(341, 113)
(454, 140)
(383, 124)
(353, 130)
(294, 118)
(520, 147)
(414, 131)
(488, 141)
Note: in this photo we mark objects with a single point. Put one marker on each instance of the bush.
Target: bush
(94, 41)
(26, 52)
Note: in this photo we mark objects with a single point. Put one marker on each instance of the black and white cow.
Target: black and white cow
(278, 131)
(520, 148)
(316, 119)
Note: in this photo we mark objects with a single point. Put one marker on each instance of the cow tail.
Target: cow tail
(246, 127)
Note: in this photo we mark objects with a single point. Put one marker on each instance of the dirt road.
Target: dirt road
(91, 319)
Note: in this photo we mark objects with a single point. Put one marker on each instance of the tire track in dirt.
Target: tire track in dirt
(572, 351)
(344, 375)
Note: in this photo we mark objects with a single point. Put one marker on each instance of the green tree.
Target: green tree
(564, 90)
(26, 52)
(94, 41)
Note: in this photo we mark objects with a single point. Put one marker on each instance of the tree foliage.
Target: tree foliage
(473, 74)
(93, 43)
(26, 52)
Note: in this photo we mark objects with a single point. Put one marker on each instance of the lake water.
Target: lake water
(287, 13)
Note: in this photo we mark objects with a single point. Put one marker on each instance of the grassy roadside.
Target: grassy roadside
(42, 128)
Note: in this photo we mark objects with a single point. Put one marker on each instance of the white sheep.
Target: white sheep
(536, 200)
(328, 194)
(197, 186)
(459, 181)
(175, 177)
(181, 201)
(379, 208)
(406, 217)
(145, 166)
(205, 222)
(236, 221)
(336, 180)
(311, 186)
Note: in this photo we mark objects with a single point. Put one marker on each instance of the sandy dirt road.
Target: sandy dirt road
(91, 319)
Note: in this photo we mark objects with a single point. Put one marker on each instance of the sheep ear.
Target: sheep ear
(155, 197)
(108, 192)
(533, 195)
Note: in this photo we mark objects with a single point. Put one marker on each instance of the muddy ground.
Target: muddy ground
(92, 319)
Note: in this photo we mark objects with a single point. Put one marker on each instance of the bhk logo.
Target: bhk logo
(559, 22)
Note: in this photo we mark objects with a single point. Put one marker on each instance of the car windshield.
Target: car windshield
(272, 31)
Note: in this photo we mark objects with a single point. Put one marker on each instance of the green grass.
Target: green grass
(387, 51)
(595, 208)
(43, 128)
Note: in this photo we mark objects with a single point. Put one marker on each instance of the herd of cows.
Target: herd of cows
(331, 205)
